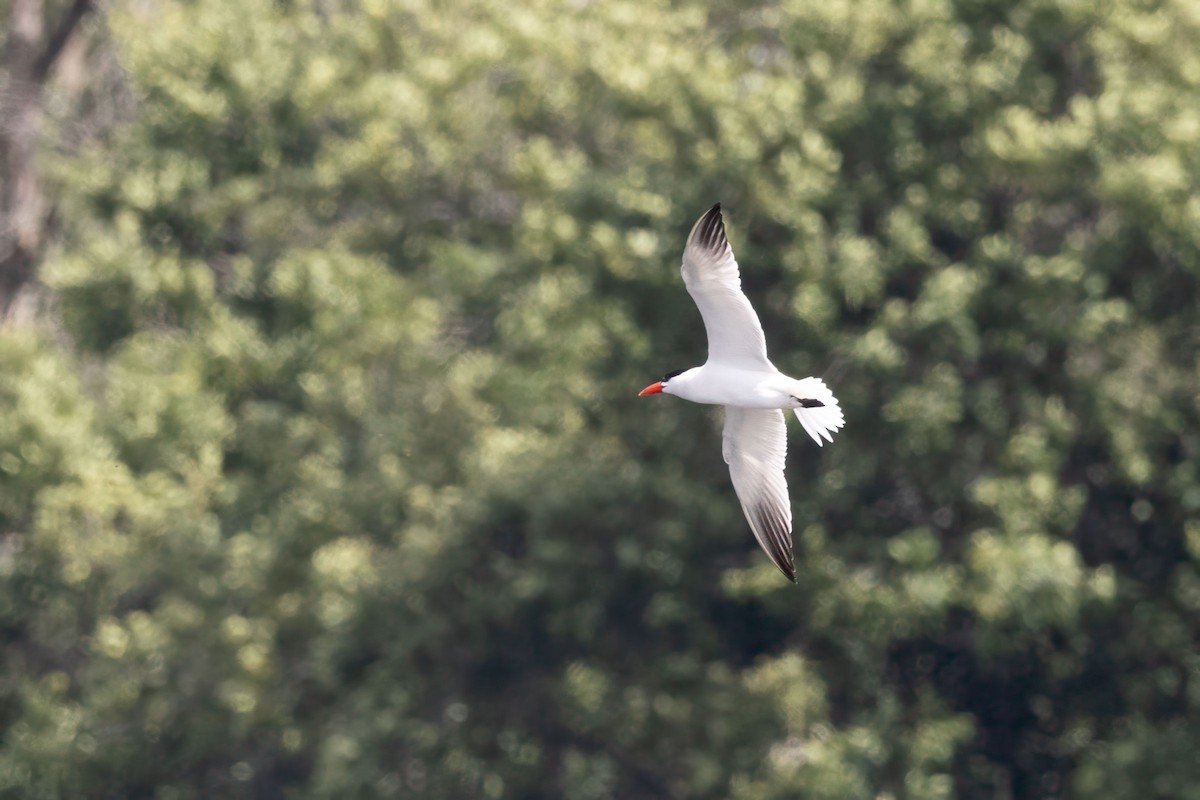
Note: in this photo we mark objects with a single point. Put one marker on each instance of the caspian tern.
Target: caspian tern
(739, 376)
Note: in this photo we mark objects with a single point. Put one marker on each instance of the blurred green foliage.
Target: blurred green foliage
(325, 475)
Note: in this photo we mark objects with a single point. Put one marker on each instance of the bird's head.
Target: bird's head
(661, 385)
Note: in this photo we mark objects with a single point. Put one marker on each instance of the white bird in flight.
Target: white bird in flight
(739, 376)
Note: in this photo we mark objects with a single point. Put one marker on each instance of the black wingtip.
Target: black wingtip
(778, 540)
(788, 569)
(710, 231)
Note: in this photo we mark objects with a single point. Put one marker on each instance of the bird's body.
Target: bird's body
(721, 385)
(739, 376)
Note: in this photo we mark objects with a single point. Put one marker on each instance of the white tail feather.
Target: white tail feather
(819, 421)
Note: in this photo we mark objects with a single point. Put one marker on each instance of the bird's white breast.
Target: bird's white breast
(716, 384)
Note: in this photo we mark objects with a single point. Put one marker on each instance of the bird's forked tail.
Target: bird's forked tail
(818, 412)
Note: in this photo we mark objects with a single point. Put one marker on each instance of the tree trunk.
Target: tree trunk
(23, 213)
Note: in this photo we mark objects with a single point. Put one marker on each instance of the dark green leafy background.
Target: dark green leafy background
(323, 474)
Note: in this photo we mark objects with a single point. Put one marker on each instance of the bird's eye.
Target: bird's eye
(670, 375)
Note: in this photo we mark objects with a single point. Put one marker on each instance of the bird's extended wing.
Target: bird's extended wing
(755, 447)
(710, 273)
